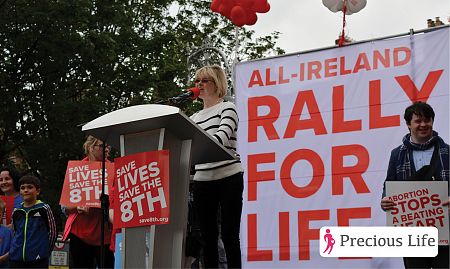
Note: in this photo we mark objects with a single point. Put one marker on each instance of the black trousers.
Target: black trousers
(88, 256)
(225, 194)
(440, 261)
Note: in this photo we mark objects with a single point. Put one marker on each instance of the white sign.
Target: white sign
(419, 203)
(378, 242)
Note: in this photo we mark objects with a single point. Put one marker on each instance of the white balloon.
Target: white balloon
(333, 5)
(353, 6)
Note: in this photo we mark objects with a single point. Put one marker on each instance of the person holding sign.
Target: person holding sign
(219, 184)
(416, 152)
(83, 225)
(9, 184)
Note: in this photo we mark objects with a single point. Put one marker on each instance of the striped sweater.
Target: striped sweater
(220, 121)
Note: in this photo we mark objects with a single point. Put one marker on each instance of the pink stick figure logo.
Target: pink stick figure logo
(328, 237)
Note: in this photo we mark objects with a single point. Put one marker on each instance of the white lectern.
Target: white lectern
(155, 127)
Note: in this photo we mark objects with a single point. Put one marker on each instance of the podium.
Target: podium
(155, 127)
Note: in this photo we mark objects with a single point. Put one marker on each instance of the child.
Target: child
(34, 228)
(5, 239)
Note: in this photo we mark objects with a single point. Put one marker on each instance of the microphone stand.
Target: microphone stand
(172, 101)
(104, 202)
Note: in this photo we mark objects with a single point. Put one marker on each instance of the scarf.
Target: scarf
(404, 167)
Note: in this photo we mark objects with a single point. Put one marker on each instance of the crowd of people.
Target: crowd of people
(28, 241)
(217, 191)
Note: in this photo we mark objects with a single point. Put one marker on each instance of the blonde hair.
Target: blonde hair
(90, 141)
(217, 74)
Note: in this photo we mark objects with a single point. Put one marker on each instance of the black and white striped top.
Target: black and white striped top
(221, 122)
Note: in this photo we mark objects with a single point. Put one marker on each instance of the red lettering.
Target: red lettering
(411, 90)
(375, 118)
(377, 57)
(317, 178)
(266, 121)
(255, 176)
(407, 54)
(305, 234)
(281, 79)
(342, 70)
(361, 63)
(314, 122)
(314, 68)
(254, 254)
(344, 215)
(255, 79)
(339, 124)
(284, 234)
(330, 67)
(302, 72)
(354, 173)
(268, 81)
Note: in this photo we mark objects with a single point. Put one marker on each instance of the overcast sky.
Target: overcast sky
(308, 24)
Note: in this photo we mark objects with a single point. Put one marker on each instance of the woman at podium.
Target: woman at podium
(218, 185)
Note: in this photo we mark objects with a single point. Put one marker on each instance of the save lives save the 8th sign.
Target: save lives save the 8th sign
(83, 183)
(141, 190)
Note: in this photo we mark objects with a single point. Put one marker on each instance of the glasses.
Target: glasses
(204, 80)
(101, 145)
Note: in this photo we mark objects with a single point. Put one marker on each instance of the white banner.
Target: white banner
(315, 135)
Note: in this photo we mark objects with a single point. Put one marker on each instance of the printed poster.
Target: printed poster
(83, 183)
(141, 189)
(419, 203)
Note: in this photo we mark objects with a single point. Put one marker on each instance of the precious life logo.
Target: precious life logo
(378, 241)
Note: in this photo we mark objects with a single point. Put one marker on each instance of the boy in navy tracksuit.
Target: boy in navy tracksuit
(34, 228)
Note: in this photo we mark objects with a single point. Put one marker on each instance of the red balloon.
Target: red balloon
(259, 5)
(225, 9)
(251, 18)
(265, 9)
(215, 4)
(238, 16)
(246, 4)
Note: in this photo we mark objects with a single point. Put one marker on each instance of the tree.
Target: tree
(65, 62)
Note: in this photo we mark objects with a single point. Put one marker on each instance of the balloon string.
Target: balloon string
(236, 43)
(342, 38)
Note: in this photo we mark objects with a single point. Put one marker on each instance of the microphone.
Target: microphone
(192, 93)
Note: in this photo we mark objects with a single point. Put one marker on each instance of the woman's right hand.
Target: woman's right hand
(82, 209)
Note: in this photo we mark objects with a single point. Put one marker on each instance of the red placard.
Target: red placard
(9, 207)
(83, 183)
(141, 189)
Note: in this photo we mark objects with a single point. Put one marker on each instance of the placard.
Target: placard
(141, 189)
(83, 183)
(9, 208)
(419, 203)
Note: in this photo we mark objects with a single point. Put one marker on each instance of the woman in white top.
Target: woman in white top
(218, 185)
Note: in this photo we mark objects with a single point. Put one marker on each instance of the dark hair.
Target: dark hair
(30, 179)
(419, 108)
(14, 174)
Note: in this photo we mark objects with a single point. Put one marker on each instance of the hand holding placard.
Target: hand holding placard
(83, 183)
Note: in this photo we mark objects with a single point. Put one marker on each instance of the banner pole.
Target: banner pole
(104, 206)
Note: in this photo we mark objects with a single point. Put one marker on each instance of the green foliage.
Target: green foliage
(66, 62)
